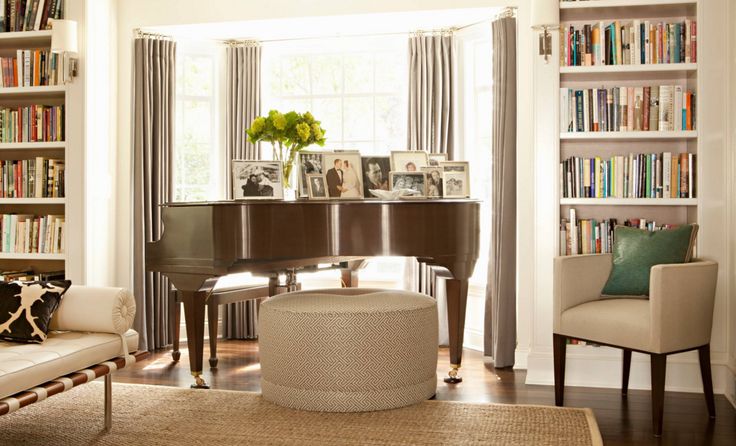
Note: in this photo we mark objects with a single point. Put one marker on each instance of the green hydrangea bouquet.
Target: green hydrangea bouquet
(288, 133)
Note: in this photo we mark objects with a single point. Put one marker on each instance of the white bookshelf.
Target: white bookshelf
(629, 201)
(607, 144)
(630, 136)
(21, 96)
(30, 256)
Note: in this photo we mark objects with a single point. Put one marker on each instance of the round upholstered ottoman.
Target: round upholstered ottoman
(348, 350)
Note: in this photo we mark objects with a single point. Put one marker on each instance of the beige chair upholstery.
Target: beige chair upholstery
(348, 350)
(677, 316)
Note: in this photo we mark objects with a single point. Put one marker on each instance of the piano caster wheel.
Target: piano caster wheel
(452, 377)
(213, 363)
(175, 355)
(199, 382)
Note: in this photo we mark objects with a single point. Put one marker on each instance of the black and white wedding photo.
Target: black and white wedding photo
(257, 180)
(344, 174)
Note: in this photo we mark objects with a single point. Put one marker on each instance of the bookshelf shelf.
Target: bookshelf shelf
(638, 69)
(629, 136)
(30, 256)
(25, 38)
(47, 90)
(32, 200)
(32, 145)
(596, 4)
(629, 201)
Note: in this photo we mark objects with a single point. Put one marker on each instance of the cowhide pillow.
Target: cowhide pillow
(26, 309)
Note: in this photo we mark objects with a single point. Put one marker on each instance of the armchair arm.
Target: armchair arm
(681, 297)
(578, 279)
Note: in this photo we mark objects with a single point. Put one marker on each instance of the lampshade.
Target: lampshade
(545, 13)
(64, 36)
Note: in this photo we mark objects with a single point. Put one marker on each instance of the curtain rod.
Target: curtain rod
(139, 34)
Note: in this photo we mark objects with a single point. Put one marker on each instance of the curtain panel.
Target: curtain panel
(431, 93)
(154, 97)
(242, 106)
(500, 309)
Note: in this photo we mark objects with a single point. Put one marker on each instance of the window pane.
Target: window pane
(326, 74)
(358, 73)
(391, 71)
(197, 73)
(358, 115)
(192, 170)
(196, 120)
(329, 112)
(482, 63)
(294, 75)
(390, 123)
(483, 116)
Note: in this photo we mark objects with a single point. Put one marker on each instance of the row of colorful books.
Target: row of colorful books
(592, 236)
(634, 43)
(32, 123)
(31, 68)
(33, 178)
(28, 275)
(29, 15)
(627, 109)
(32, 234)
(636, 175)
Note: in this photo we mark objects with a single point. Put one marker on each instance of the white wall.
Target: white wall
(730, 89)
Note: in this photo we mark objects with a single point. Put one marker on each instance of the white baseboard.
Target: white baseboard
(473, 339)
(603, 369)
(731, 386)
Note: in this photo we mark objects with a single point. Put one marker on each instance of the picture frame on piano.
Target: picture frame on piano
(257, 180)
(317, 185)
(434, 181)
(408, 160)
(310, 163)
(455, 179)
(435, 159)
(416, 181)
(344, 174)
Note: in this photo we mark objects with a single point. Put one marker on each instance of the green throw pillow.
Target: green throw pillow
(635, 251)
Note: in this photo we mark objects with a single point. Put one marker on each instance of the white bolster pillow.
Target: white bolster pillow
(95, 309)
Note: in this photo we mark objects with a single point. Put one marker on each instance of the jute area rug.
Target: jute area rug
(157, 415)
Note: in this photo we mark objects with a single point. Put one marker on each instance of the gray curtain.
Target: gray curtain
(500, 311)
(431, 93)
(154, 77)
(243, 105)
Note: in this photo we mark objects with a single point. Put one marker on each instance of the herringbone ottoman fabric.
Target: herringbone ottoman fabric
(348, 350)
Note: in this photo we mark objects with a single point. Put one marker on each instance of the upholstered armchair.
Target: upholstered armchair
(676, 317)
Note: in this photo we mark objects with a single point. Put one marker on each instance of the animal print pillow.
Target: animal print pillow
(26, 309)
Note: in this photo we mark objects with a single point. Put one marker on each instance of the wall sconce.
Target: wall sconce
(545, 17)
(64, 42)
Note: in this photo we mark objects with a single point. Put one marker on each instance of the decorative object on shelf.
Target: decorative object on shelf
(64, 41)
(288, 134)
(258, 180)
(392, 194)
(545, 17)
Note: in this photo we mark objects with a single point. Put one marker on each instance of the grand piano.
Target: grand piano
(203, 241)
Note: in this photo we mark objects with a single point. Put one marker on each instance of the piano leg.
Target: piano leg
(194, 303)
(457, 297)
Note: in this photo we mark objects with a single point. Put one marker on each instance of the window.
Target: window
(196, 155)
(355, 86)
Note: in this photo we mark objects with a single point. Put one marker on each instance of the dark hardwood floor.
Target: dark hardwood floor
(623, 421)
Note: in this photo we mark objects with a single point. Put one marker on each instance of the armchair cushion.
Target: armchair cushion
(623, 322)
(636, 251)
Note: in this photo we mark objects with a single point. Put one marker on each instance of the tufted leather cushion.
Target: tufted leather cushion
(95, 309)
(348, 350)
(23, 366)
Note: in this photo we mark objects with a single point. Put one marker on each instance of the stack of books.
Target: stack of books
(592, 236)
(36, 178)
(627, 109)
(28, 275)
(651, 175)
(32, 123)
(31, 68)
(29, 15)
(32, 234)
(628, 43)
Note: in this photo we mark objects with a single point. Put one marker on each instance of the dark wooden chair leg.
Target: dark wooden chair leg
(175, 327)
(558, 344)
(704, 354)
(213, 315)
(626, 371)
(659, 371)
